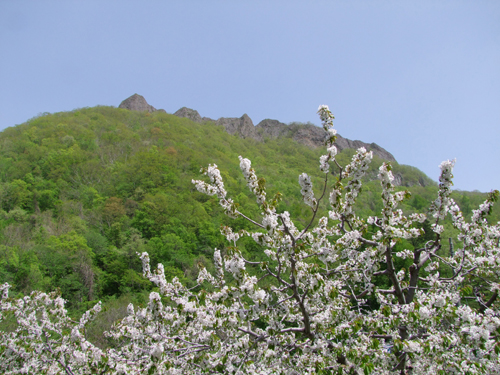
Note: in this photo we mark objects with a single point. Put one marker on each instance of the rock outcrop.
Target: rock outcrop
(242, 126)
(313, 136)
(137, 102)
(272, 128)
(306, 134)
(189, 113)
(192, 114)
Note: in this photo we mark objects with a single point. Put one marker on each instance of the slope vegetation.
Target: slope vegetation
(82, 192)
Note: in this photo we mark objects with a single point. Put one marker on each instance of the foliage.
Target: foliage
(341, 293)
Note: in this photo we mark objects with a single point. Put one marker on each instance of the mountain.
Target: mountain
(81, 192)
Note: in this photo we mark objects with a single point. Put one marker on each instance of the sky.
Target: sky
(419, 78)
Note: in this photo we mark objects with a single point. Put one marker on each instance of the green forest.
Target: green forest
(82, 192)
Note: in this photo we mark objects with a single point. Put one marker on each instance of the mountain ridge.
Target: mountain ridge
(306, 134)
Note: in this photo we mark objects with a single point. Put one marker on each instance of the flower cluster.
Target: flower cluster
(327, 118)
(307, 190)
(441, 205)
(256, 186)
(216, 187)
(325, 159)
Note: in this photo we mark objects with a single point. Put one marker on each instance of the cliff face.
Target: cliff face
(306, 134)
(314, 136)
(242, 126)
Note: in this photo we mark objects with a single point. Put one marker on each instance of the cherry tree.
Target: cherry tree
(314, 308)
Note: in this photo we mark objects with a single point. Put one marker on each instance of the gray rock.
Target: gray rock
(343, 143)
(192, 114)
(306, 134)
(242, 126)
(314, 136)
(189, 113)
(272, 128)
(137, 103)
(398, 179)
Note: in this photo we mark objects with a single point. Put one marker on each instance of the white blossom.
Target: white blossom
(307, 190)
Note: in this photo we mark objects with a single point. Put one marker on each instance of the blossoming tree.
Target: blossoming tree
(307, 312)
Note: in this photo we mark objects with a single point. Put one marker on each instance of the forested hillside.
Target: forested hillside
(82, 192)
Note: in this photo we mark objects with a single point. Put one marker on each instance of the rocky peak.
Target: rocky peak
(189, 113)
(192, 114)
(306, 134)
(137, 102)
(314, 136)
(242, 126)
(272, 128)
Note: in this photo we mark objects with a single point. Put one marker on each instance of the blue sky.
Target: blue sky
(419, 78)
